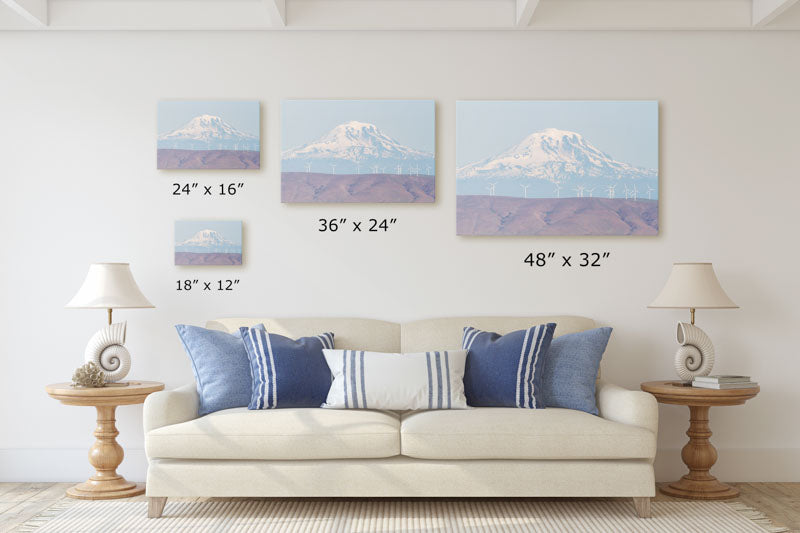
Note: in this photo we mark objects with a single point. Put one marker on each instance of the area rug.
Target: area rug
(565, 516)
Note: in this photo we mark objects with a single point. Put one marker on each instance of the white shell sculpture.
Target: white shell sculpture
(106, 350)
(695, 357)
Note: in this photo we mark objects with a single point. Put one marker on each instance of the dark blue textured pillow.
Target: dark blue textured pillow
(220, 365)
(506, 371)
(571, 369)
(286, 372)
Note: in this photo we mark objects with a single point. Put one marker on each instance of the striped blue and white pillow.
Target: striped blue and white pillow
(410, 381)
(286, 372)
(506, 370)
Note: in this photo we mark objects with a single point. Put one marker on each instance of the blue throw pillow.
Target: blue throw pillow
(506, 371)
(286, 372)
(571, 369)
(220, 365)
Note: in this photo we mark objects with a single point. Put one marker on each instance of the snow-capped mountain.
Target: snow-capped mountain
(356, 147)
(554, 163)
(208, 241)
(208, 132)
(557, 156)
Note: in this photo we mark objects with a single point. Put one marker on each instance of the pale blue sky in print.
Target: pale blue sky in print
(229, 229)
(242, 115)
(409, 122)
(626, 130)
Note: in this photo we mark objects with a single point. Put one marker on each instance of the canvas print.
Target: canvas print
(209, 135)
(557, 168)
(206, 243)
(358, 151)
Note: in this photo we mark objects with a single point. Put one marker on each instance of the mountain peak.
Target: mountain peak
(356, 143)
(206, 237)
(554, 155)
(208, 129)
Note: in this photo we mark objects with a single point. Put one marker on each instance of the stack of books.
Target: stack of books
(723, 382)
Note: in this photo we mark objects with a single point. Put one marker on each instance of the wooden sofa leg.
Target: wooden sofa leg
(642, 506)
(155, 506)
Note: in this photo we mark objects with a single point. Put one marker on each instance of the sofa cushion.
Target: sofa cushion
(397, 381)
(506, 370)
(286, 372)
(510, 433)
(279, 434)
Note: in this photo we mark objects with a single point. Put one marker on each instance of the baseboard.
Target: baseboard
(53, 464)
(738, 464)
(66, 464)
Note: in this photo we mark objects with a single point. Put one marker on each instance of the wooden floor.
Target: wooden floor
(21, 501)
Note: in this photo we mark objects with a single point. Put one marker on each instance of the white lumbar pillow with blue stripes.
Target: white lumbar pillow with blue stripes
(410, 381)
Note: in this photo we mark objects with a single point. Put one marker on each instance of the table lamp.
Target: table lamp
(109, 286)
(693, 286)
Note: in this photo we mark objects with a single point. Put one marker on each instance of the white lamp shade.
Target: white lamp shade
(693, 285)
(109, 286)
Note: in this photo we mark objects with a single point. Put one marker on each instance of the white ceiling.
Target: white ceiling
(399, 14)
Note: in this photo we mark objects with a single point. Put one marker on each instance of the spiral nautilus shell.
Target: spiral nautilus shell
(695, 357)
(106, 350)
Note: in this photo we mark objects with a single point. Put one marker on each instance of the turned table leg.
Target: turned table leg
(105, 455)
(699, 455)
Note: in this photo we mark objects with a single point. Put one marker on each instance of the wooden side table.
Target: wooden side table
(106, 454)
(698, 454)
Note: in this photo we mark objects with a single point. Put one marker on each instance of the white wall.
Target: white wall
(79, 184)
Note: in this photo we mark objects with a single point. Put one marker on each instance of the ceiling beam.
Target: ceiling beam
(765, 11)
(34, 11)
(525, 9)
(277, 11)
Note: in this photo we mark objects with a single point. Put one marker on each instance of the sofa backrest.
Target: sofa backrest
(417, 336)
(446, 333)
(349, 333)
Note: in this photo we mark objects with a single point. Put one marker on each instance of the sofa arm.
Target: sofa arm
(170, 407)
(635, 408)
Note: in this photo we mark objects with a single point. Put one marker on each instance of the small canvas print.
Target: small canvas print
(207, 243)
(209, 135)
(358, 151)
(557, 168)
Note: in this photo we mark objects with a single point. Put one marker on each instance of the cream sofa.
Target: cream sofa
(481, 452)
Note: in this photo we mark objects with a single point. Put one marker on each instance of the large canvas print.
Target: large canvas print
(358, 151)
(557, 168)
(208, 243)
(209, 135)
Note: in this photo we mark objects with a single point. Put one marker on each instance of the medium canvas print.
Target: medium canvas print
(557, 168)
(358, 151)
(209, 135)
(208, 243)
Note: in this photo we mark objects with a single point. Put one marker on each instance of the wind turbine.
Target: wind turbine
(308, 168)
(399, 169)
(650, 191)
(627, 191)
(579, 189)
(524, 190)
(635, 192)
(416, 170)
(428, 170)
(591, 192)
(490, 188)
(611, 191)
(333, 168)
(374, 169)
(358, 167)
(558, 190)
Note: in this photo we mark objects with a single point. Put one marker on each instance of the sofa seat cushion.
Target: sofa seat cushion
(509, 433)
(281, 434)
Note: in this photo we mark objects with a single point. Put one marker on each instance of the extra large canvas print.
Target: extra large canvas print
(209, 135)
(358, 151)
(557, 168)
